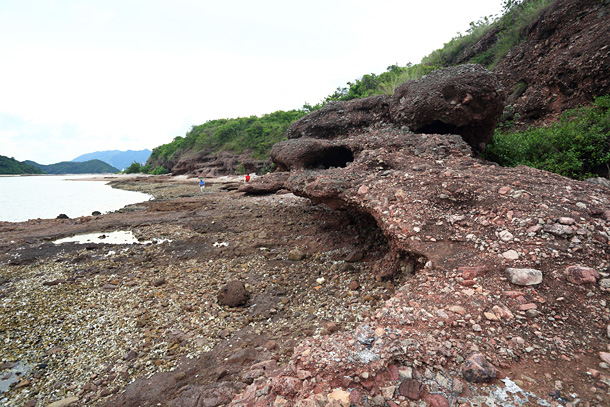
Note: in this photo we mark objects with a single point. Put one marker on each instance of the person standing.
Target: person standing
(201, 184)
(247, 177)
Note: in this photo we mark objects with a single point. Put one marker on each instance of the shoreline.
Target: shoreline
(70, 299)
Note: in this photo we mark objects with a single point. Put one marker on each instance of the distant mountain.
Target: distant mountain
(69, 167)
(117, 158)
(10, 166)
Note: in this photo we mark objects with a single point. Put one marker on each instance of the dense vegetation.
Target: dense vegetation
(68, 167)
(253, 134)
(10, 166)
(578, 146)
(136, 168)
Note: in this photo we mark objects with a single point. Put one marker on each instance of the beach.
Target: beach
(91, 322)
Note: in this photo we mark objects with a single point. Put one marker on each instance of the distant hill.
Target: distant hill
(116, 158)
(69, 167)
(10, 166)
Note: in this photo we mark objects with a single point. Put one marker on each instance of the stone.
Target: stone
(605, 356)
(354, 256)
(296, 255)
(458, 309)
(354, 285)
(467, 100)
(233, 294)
(410, 388)
(477, 369)
(339, 395)
(469, 273)
(580, 275)
(68, 401)
(510, 255)
(567, 221)
(436, 400)
(524, 277)
(157, 282)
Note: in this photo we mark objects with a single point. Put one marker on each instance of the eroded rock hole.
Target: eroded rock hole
(438, 127)
(337, 157)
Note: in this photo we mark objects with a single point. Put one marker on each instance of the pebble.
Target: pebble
(68, 401)
(510, 255)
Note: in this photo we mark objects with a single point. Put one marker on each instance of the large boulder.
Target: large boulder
(467, 100)
(339, 118)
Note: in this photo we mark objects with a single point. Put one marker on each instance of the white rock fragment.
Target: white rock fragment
(510, 255)
(524, 276)
(505, 236)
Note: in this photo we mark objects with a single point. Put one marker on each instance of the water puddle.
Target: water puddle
(12, 373)
(118, 237)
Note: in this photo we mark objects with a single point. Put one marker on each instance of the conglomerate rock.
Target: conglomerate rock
(338, 118)
(467, 100)
(457, 223)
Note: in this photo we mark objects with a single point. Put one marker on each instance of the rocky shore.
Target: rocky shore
(98, 323)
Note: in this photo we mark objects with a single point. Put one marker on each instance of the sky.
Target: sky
(79, 76)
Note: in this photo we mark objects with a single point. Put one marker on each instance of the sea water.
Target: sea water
(47, 196)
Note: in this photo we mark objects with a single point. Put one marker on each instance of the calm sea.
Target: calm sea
(46, 196)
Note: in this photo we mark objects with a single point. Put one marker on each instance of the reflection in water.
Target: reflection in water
(118, 237)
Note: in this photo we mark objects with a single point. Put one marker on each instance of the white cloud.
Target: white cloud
(101, 75)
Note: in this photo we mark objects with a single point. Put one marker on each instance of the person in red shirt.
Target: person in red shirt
(247, 177)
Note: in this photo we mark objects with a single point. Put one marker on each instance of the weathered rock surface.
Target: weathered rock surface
(461, 226)
(562, 63)
(233, 294)
(339, 118)
(467, 100)
(477, 369)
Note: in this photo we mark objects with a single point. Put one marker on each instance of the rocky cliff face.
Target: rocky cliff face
(475, 235)
(204, 164)
(564, 61)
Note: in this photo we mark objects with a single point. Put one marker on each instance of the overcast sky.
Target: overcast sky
(80, 76)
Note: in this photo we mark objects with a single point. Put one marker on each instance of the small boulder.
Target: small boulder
(411, 389)
(296, 255)
(354, 256)
(233, 294)
(437, 400)
(477, 369)
(580, 275)
(524, 276)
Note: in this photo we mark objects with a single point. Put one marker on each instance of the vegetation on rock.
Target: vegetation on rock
(504, 33)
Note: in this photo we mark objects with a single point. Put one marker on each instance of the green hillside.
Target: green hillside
(566, 148)
(253, 134)
(68, 167)
(10, 166)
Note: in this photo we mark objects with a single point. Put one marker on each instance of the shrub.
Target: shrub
(578, 146)
(158, 170)
(134, 168)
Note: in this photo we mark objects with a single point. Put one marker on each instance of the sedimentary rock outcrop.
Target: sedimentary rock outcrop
(338, 118)
(459, 224)
(467, 100)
